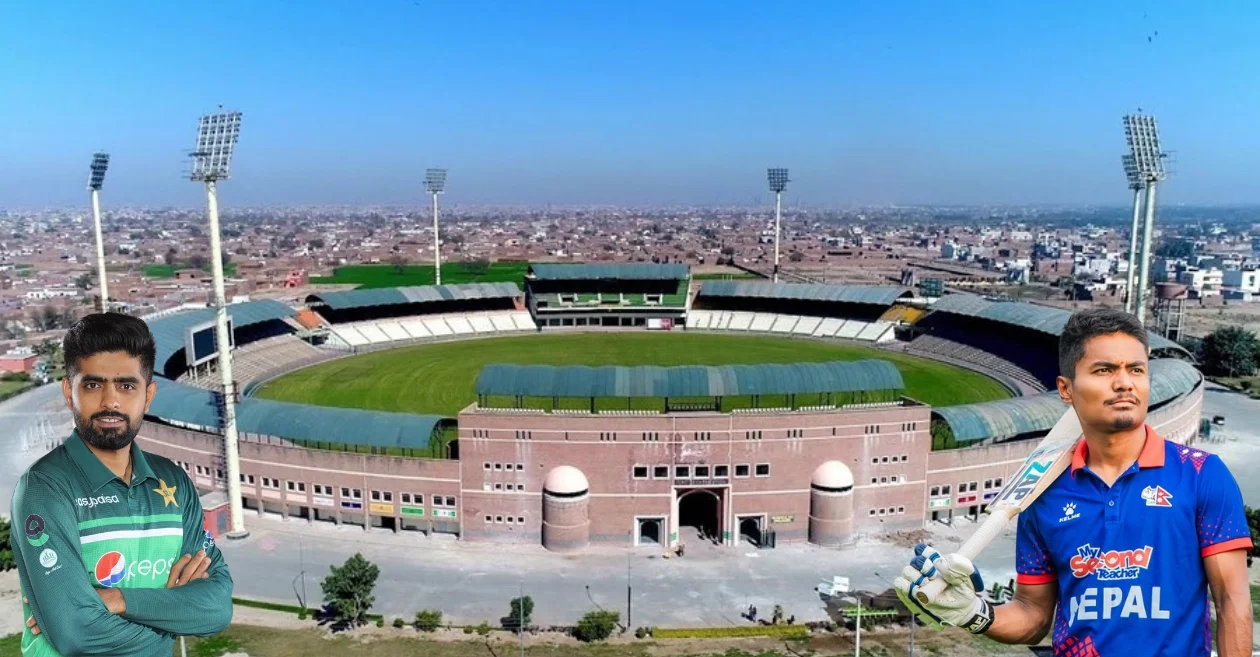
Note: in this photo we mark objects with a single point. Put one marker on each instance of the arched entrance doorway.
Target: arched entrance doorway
(701, 510)
(651, 531)
(750, 529)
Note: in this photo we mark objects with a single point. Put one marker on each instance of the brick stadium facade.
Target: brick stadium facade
(519, 472)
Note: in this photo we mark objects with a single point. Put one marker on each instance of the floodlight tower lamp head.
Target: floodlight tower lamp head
(100, 162)
(1142, 135)
(778, 179)
(1131, 173)
(216, 142)
(435, 181)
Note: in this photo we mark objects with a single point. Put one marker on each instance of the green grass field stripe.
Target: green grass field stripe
(131, 520)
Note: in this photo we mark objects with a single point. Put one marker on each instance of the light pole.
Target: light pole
(212, 160)
(434, 184)
(1147, 159)
(1136, 184)
(100, 162)
(778, 182)
(912, 617)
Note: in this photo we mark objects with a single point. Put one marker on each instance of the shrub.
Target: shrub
(302, 614)
(468, 629)
(398, 623)
(428, 620)
(642, 633)
(483, 629)
(596, 626)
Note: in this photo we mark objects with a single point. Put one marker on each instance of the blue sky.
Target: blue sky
(628, 102)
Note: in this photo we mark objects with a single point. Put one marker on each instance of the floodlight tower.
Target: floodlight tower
(434, 184)
(1136, 183)
(778, 182)
(100, 162)
(1142, 135)
(212, 159)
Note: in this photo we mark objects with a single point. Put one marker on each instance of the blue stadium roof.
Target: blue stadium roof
(1039, 318)
(876, 294)
(688, 381)
(631, 271)
(388, 296)
(168, 332)
(184, 403)
(1170, 378)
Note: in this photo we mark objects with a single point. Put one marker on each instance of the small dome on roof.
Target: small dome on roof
(565, 480)
(832, 475)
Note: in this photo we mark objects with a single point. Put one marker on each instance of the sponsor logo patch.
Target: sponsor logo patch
(34, 527)
(1112, 564)
(92, 502)
(48, 558)
(111, 569)
(1069, 512)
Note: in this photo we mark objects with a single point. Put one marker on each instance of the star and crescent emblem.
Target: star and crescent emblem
(167, 493)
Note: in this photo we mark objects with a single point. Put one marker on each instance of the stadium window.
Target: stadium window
(741, 470)
(971, 488)
(884, 460)
(520, 467)
(485, 465)
(511, 520)
(405, 498)
(883, 480)
(290, 485)
(498, 519)
(997, 483)
(905, 458)
(682, 472)
(871, 513)
(945, 490)
(936, 490)
(640, 472)
(763, 469)
(417, 498)
(520, 520)
(249, 479)
(901, 509)
(498, 486)
(721, 471)
(198, 469)
(489, 519)
(882, 511)
(874, 460)
(962, 487)
(988, 483)
(498, 466)
(702, 472)
(833, 431)
(376, 496)
(387, 496)
(874, 480)
(450, 502)
(660, 472)
(218, 474)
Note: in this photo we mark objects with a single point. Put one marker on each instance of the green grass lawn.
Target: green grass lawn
(11, 388)
(439, 378)
(374, 276)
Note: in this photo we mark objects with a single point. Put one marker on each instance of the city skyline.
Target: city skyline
(649, 106)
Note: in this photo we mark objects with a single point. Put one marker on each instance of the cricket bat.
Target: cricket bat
(1052, 456)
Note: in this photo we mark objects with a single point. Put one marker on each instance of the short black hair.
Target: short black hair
(1091, 323)
(106, 332)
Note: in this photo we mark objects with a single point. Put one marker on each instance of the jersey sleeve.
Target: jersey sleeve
(199, 608)
(1033, 564)
(67, 608)
(1219, 516)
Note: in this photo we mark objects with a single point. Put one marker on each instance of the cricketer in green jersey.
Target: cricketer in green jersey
(111, 547)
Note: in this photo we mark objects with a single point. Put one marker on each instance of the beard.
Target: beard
(1123, 422)
(113, 438)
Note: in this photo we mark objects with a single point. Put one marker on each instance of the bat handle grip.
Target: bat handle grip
(971, 548)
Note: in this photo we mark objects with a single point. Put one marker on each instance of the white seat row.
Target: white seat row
(383, 331)
(823, 327)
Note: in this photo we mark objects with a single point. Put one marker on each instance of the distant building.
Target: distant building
(949, 250)
(21, 359)
(1202, 282)
(1242, 280)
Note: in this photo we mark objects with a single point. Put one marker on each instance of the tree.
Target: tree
(1253, 522)
(1230, 351)
(83, 281)
(6, 550)
(317, 243)
(1177, 249)
(596, 626)
(477, 266)
(796, 256)
(728, 251)
(348, 589)
(198, 261)
(399, 262)
(170, 255)
(521, 610)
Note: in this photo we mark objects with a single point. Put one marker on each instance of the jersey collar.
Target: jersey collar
(1152, 455)
(97, 474)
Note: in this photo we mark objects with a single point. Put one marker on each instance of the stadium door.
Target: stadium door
(649, 531)
(701, 510)
(750, 528)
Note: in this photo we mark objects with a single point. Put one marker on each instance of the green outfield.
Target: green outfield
(375, 276)
(438, 378)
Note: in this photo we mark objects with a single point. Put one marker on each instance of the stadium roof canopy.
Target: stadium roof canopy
(169, 332)
(390, 296)
(688, 381)
(1170, 378)
(1039, 318)
(634, 271)
(189, 405)
(876, 294)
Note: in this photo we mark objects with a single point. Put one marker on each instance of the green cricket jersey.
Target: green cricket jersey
(77, 527)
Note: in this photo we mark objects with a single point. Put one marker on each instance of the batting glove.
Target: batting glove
(958, 604)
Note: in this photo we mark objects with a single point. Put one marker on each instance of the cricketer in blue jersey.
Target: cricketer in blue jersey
(1129, 549)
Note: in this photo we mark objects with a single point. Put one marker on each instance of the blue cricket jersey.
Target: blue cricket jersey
(1128, 558)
